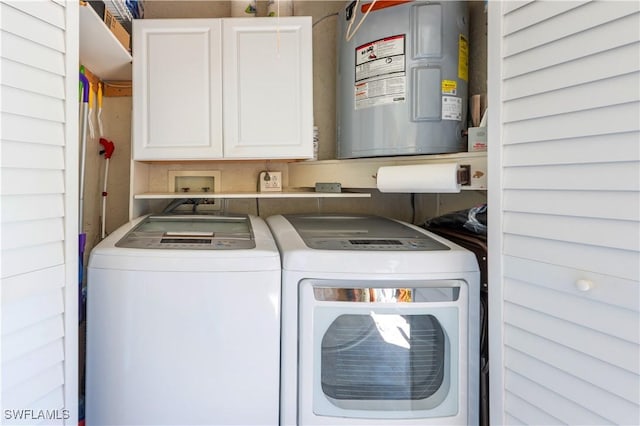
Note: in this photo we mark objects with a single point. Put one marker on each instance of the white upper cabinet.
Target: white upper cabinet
(209, 89)
(268, 88)
(177, 89)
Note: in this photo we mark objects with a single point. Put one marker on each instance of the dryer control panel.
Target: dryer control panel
(376, 244)
(362, 233)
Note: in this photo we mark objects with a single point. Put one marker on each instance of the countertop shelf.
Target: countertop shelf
(100, 50)
(287, 193)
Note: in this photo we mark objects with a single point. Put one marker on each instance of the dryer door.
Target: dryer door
(381, 350)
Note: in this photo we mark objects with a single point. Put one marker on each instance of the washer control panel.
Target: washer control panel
(190, 233)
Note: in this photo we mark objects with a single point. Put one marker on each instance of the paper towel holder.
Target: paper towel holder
(464, 175)
(423, 178)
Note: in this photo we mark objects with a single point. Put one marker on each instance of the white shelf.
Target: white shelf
(287, 193)
(361, 172)
(100, 50)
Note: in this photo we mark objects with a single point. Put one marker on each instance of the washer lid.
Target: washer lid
(190, 233)
(368, 233)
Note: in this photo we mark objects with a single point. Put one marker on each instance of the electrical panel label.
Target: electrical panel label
(380, 74)
(451, 108)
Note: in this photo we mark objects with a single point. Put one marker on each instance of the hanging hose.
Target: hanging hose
(175, 204)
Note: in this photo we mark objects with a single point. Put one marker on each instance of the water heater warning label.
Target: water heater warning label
(380, 76)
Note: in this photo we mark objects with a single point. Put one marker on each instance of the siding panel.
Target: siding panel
(18, 208)
(574, 203)
(551, 403)
(604, 318)
(23, 25)
(605, 405)
(25, 260)
(529, 413)
(617, 263)
(20, 343)
(611, 350)
(598, 94)
(32, 233)
(35, 388)
(615, 234)
(20, 76)
(535, 13)
(512, 420)
(580, 71)
(27, 129)
(543, 24)
(31, 156)
(20, 287)
(15, 101)
(512, 6)
(54, 399)
(598, 38)
(25, 368)
(593, 122)
(32, 310)
(43, 10)
(606, 289)
(32, 182)
(23, 51)
(584, 177)
(607, 148)
(606, 376)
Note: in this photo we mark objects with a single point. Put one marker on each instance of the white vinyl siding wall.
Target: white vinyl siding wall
(39, 181)
(564, 94)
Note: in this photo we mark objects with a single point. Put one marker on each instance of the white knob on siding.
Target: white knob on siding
(584, 285)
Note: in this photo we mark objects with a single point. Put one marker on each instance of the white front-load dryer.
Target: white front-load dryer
(183, 323)
(380, 323)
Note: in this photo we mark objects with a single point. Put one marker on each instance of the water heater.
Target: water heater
(402, 78)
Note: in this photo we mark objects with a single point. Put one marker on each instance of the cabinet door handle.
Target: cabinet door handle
(584, 285)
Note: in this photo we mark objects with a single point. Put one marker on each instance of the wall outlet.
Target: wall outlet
(270, 181)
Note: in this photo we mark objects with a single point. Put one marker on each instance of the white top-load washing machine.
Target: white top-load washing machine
(183, 323)
(380, 323)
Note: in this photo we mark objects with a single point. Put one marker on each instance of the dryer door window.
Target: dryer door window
(382, 357)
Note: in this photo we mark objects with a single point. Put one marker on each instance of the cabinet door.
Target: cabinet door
(177, 88)
(268, 104)
(564, 224)
(39, 198)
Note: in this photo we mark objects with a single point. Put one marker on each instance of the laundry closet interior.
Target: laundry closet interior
(148, 174)
(238, 176)
(224, 111)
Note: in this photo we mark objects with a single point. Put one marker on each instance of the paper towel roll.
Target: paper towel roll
(419, 178)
